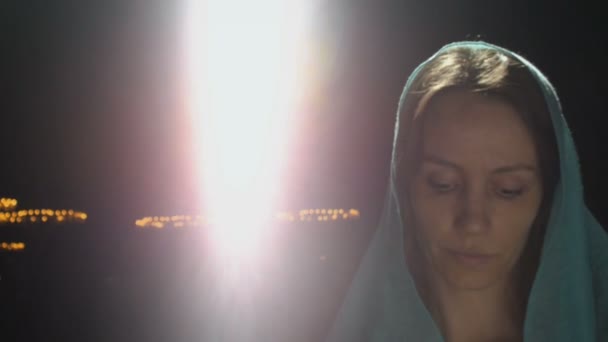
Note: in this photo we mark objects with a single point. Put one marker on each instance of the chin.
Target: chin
(466, 277)
(472, 282)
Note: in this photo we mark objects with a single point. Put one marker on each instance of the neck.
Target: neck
(491, 313)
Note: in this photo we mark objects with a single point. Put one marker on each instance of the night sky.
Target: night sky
(91, 102)
(93, 119)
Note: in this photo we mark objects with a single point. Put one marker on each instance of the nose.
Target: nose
(472, 215)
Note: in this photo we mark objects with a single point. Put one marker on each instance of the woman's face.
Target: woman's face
(477, 191)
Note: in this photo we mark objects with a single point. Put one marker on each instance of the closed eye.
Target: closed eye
(510, 193)
(441, 187)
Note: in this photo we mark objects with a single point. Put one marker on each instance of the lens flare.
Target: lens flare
(245, 63)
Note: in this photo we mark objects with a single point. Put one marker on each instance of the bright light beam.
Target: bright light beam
(245, 63)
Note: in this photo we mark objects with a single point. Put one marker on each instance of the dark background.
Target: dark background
(91, 120)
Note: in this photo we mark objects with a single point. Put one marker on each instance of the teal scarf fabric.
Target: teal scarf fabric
(569, 296)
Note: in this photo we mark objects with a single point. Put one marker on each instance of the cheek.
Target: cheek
(433, 215)
(514, 221)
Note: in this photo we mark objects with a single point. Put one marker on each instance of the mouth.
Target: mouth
(471, 258)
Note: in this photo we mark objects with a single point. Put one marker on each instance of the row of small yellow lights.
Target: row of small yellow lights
(8, 204)
(319, 215)
(12, 246)
(177, 221)
(304, 215)
(42, 215)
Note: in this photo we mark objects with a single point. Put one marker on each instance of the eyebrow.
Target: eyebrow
(502, 169)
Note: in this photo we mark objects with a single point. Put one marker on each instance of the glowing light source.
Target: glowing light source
(245, 70)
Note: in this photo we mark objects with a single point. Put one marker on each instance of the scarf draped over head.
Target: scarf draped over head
(569, 296)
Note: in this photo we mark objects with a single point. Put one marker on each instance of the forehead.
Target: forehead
(472, 128)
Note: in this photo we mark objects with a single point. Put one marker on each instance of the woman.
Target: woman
(485, 235)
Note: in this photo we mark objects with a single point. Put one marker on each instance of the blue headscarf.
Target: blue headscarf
(569, 296)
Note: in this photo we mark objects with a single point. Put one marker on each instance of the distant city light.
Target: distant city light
(180, 221)
(8, 203)
(176, 221)
(11, 216)
(12, 246)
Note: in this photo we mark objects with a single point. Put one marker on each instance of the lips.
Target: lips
(471, 258)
